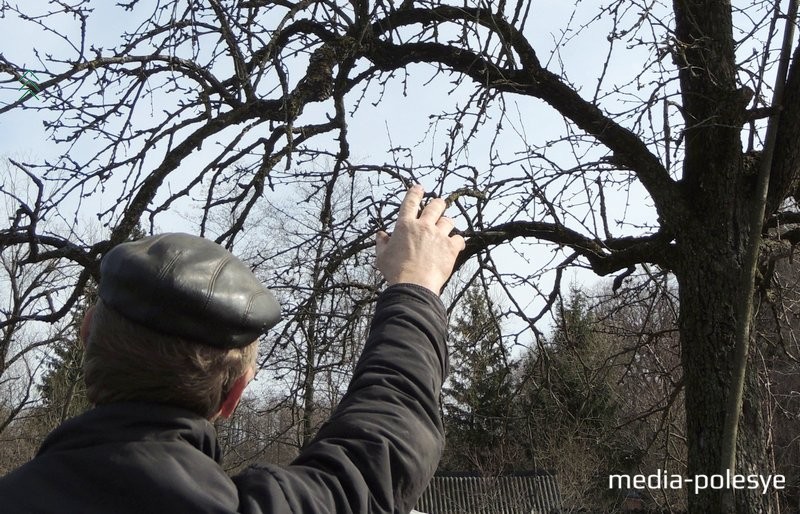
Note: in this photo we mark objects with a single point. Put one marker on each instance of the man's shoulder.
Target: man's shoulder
(145, 475)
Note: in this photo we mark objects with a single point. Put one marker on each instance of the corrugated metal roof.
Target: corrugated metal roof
(469, 493)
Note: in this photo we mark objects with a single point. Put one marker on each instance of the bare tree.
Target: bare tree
(309, 251)
(262, 429)
(640, 322)
(778, 362)
(23, 349)
(247, 92)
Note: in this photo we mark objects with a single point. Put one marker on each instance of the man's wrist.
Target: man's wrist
(432, 286)
(417, 285)
(413, 289)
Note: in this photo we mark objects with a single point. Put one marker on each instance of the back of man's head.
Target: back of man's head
(177, 323)
(126, 361)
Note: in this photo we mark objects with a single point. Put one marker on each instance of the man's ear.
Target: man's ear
(230, 401)
(86, 325)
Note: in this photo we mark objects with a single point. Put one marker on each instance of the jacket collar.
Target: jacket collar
(132, 421)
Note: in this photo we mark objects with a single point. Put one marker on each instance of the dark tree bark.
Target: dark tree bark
(710, 250)
(708, 288)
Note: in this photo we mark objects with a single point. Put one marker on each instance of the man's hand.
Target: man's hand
(420, 250)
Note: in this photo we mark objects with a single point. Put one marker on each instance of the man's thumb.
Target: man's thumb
(381, 240)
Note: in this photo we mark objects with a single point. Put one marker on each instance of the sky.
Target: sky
(398, 120)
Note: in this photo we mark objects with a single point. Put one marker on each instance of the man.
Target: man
(170, 347)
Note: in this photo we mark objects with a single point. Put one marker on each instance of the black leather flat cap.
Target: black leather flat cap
(189, 287)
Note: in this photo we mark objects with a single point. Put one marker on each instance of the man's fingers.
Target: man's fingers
(421, 250)
(462, 243)
(433, 211)
(445, 224)
(381, 238)
(410, 206)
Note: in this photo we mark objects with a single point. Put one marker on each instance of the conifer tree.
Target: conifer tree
(479, 397)
(62, 388)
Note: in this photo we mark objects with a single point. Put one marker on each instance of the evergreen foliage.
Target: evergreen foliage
(62, 388)
(479, 397)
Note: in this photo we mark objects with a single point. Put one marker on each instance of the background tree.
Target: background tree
(640, 324)
(28, 289)
(479, 398)
(22, 355)
(327, 293)
(62, 391)
(247, 92)
(568, 408)
(779, 368)
(263, 429)
(602, 395)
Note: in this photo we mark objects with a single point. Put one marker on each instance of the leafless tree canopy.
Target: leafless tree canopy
(619, 133)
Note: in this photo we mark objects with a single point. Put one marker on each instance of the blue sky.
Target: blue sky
(398, 120)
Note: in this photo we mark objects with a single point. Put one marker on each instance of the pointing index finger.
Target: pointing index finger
(410, 206)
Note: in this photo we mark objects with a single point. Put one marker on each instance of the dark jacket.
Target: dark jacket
(376, 453)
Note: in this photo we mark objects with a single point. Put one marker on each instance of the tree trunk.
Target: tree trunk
(708, 279)
(710, 251)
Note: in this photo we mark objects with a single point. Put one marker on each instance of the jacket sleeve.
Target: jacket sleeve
(382, 444)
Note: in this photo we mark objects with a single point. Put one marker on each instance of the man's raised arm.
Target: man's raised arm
(383, 442)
